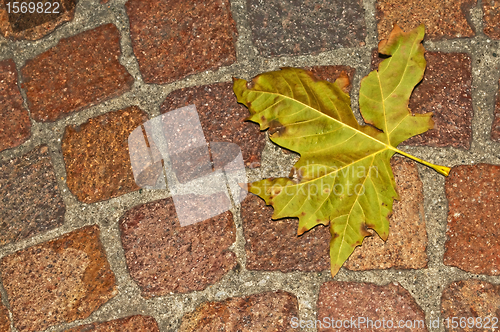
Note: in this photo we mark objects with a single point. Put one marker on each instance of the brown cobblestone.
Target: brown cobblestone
(15, 127)
(495, 128)
(164, 257)
(473, 235)
(491, 18)
(175, 39)
(264, 312)
(407, 242)
(31, 200)
(471, 298)
(97, 157)
(273, 245)
(221, 117)
(343, 300)
(445, 91)
(58, 281)
(33, 26)
(78, 72)
(132, 323)
(305, 27)
(443, 19)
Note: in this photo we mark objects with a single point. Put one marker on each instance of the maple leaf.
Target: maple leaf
(343, 177)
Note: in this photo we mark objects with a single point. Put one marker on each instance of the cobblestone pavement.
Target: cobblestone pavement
(84, 248)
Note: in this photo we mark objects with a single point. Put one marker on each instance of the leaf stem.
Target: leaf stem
(440, 169)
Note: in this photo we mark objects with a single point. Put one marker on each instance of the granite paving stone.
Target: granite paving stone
(341, 301)
(58, 281)
(15, 127)
(265, 312)
(96, 155)
(221, 117)
(305, 27)
(31, 201)
(4, 318)
(175, 39)
(495, 128)
(274, 245)
(473, 235)
(406, 246)
(37, 21)
(446, 91)
(163, 257)
(132, 323)
(471, 298)
(443, 19)
(79, 72)
(491, 18)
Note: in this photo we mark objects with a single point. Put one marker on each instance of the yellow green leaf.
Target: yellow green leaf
(343, 177)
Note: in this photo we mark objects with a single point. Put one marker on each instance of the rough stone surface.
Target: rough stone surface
(446, 91)
(274, 244)
(35, 25)
(264, 312)
(97, 157)
(221, 117)
(305, 27)
(445, 19)
(473, 234)
(4, 318)
(174, 39)
(15, 127)
(471, 298)
(164, 257)
(78, 72)
(58, 281)
(132, 323)
(343, 300)
(495, 128)
(491, 10)
(31, 201)
(407, 242)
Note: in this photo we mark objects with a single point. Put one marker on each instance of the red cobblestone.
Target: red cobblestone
(58, 281)
(31, 200)
(78, 72)
(443, 19)
(491, 18)
(344, 300)
(175, 39)
(445, 91)
(132, 323)
(163, 257)
(221, 117)
(470, 298)
(473, 235)
(15, 127)
(266, 312)
(33, 26)
(97, 157)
